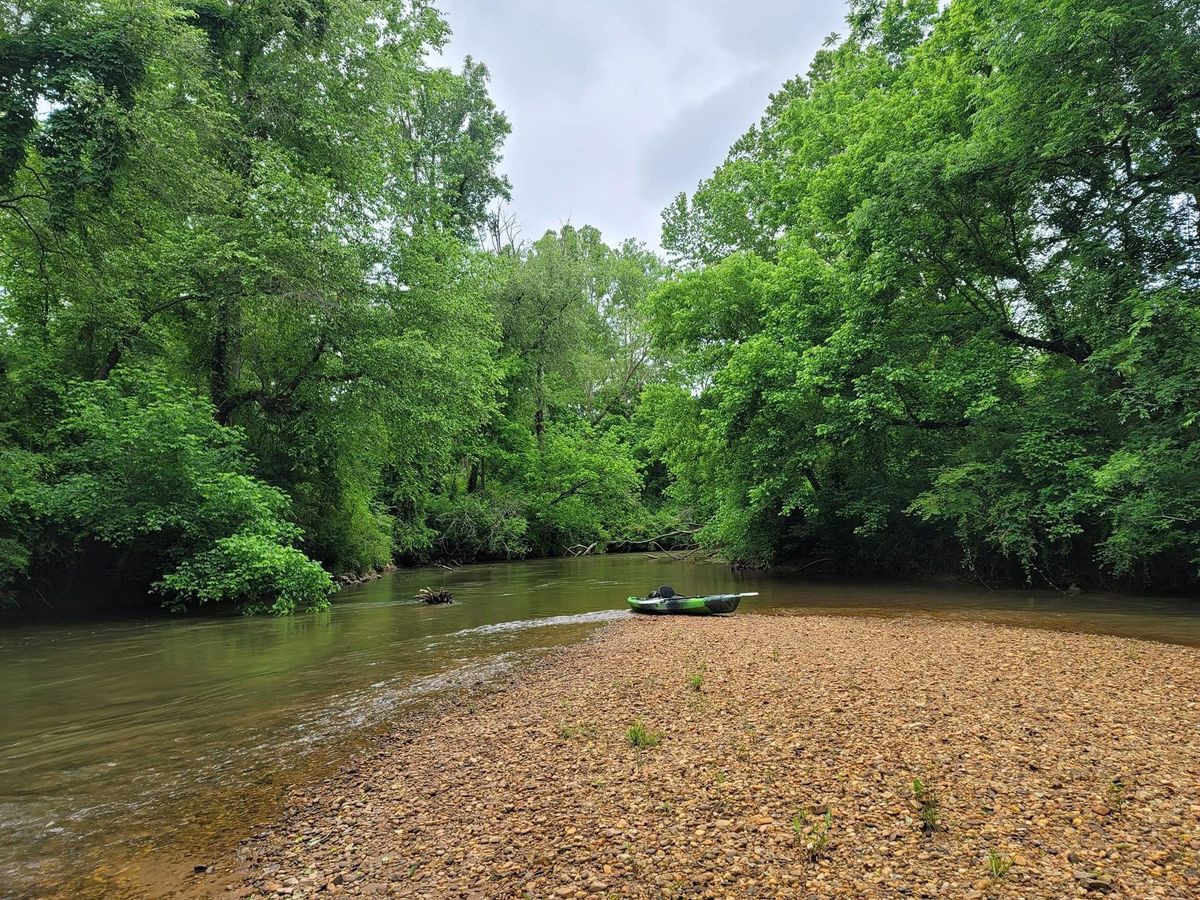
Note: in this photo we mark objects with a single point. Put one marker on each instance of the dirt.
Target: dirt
(780, 760)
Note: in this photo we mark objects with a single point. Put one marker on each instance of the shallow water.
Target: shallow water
(166, 737)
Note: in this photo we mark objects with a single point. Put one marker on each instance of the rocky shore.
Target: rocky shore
(775, 756)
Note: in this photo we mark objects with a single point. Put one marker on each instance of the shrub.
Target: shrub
(140, 464)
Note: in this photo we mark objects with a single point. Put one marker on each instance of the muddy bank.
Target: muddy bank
(780, 761)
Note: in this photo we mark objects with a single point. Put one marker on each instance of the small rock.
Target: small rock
(1091, 882)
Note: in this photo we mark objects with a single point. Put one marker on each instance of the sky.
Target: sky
(618, 105)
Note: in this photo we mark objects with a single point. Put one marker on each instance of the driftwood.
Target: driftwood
(671, 548)
(655, 543)
(441, 595)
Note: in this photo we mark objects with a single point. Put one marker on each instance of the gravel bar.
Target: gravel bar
(779, 760)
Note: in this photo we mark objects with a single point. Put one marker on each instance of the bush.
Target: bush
(139, 464)
(474, 526)
(253, 571)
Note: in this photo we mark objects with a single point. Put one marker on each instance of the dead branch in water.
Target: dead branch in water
(441, 595)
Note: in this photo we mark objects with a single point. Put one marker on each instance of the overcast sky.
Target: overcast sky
(618, 105)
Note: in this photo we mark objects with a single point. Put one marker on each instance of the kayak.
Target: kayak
(689, 606)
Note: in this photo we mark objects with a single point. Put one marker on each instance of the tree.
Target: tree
(945, 297)
(269, 204)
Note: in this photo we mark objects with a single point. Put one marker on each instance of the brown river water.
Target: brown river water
(148, 745)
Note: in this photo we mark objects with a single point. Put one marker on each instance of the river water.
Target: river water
(167, 739)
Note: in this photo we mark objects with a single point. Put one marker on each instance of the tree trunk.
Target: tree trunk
(225, 359)
(539, 417)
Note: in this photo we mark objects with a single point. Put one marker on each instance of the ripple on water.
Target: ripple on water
(590, 618)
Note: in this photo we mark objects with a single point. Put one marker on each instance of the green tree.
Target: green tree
(945, 299)
(269, 204)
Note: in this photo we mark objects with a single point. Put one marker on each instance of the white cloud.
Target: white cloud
(617, 105)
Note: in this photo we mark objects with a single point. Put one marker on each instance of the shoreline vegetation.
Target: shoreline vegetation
(772, 755)
(265, 316)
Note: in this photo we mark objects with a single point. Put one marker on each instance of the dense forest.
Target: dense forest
(264, 318)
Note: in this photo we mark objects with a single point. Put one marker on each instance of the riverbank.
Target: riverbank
(1060, 764)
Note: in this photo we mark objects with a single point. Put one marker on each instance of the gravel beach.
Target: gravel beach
(779, 758)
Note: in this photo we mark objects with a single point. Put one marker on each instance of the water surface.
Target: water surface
(162, 737)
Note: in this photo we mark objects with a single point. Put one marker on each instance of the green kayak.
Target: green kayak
(689, 606)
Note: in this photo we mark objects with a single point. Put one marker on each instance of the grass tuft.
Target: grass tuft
(928, 807)
(1114, 795)
(812, 834)
(584, 731)
(641, 737)
(998, 864)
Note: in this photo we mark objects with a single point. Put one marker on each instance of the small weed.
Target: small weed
(928, 807)
(721, 777)
(412, 869)
(775, 654)
(812, 834)
(998, 864)
(641, 737)
(1114, 795)
(585, 731)
(696, 681)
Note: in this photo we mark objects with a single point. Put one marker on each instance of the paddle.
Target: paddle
(695, 596)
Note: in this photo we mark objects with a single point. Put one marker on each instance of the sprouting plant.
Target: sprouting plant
(582, 731)
(775, 654)
(641, 737)
(800, 823)
(928, 807)
(1114, 795)
(812, 834)
(721, 777)
(696, 681)
(998, 864)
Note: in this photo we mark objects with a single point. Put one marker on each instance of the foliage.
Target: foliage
(272, 206)
(998, 864)
(562, 464)
(640, 737)
(939, 309)
(138, 464)
(813, 834)
(928, 806)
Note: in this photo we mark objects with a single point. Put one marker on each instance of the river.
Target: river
(125, 744)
